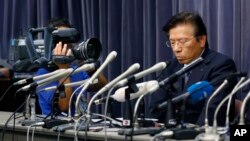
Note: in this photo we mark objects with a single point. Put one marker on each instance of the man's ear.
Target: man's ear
(202, 40)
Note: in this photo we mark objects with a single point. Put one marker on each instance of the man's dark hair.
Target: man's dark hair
(62, 22)
(184, 18)
(56, 22)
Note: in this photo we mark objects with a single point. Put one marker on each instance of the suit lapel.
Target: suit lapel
(197, 74)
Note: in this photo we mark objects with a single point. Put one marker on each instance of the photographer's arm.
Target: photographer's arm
(61, 49)
(102, 81)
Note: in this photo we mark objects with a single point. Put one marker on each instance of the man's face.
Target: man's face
(186, 47)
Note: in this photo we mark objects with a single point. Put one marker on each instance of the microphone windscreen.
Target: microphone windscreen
(199, 91)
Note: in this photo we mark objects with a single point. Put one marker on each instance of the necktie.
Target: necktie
(186, 76)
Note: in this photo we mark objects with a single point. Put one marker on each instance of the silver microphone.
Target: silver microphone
(72, 84)
(84, 67)
(47, 80)
(157, 67)
(242, 110)
(35, 78)
(144, 88)
(129, 71)
(111, 56)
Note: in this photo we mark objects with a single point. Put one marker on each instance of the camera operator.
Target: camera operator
(64, 49)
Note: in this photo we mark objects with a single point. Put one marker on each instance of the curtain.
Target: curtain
(133, 28)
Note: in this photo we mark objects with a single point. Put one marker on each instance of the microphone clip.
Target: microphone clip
(61, 90)
(127, 108)
(132, 88)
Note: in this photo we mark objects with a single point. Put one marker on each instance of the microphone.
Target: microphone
(144, 88)
(111, 56)
(35, 78)
(181, 71)
(73, 84)
(47, 80)
(224, 83)
(195, 93)
(211, 133)
(65, 32)
(243, 77)
(85, 67)
(157, 67)
(242, 110)
(239, 85)
(129, 71)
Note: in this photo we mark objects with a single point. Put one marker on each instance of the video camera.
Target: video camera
(36, 49)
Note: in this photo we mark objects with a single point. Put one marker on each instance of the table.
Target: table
(43, 134)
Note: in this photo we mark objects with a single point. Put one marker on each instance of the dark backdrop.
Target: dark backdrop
(133, 28)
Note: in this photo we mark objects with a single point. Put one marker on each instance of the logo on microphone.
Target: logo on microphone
(126, 122)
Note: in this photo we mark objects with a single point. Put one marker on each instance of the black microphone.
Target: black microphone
(181, 71)
(195, 93)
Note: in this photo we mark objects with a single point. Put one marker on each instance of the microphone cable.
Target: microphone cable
(105, 111)
(229, 102)
(6, 92)
(77, 129)
(61, 83)
(243, 110)
(52, 112)
(71, 97)
(239, 86)
(33, 131)
(134, 119)
(6, 123)
(55, 92)
(2, 99)
(58, 136)
(14, 116)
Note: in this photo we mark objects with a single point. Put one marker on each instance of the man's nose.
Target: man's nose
(176, 47)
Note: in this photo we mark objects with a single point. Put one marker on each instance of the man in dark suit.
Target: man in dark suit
(187, 37)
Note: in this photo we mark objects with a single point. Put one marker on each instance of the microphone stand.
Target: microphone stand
(170, 120)
(141, 113)
(110, 109)
(52, 122)
(136, 129)
(54, 101)
(183, 113)
(26, 112)
(31, 101)
(127, 108)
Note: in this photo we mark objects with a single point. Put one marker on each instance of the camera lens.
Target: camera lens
(90, 49)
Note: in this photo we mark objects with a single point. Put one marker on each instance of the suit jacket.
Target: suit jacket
(214, 66)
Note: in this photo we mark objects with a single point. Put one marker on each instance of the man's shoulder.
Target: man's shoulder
(217, 57)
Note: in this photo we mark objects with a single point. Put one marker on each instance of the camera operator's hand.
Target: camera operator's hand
(62, 50)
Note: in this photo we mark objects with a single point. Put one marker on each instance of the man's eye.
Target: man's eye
(182, 41)
(172, 43)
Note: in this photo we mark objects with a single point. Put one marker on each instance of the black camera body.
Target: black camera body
(33, 54)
